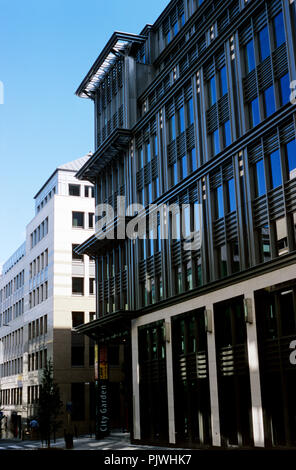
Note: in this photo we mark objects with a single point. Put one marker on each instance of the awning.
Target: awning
(109, 326)
(109, 150)
(115, 47)
(99, 243)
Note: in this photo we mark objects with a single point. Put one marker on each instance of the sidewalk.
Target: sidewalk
(116, 441)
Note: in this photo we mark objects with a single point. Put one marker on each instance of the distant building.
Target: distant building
(195, 110)
(46, 289)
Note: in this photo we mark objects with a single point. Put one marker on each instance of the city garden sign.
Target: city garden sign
(159, 222)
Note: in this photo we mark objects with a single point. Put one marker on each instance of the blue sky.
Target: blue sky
(46, 48)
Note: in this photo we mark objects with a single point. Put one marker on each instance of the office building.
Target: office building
(46, 290)
(198, 111)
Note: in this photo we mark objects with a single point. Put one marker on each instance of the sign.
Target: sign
(96, 362)
(103, 371)
(103, 392)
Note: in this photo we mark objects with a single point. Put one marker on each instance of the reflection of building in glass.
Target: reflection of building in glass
(195, 110)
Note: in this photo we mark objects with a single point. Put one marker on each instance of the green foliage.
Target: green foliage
(50, 404)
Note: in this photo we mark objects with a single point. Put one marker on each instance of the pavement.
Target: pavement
(116, 441)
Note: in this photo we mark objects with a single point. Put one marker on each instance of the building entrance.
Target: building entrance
(276, 330)
(153, 383)
(191, 379)
(233, 373)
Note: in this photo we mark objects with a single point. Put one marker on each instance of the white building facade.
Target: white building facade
(45, 291)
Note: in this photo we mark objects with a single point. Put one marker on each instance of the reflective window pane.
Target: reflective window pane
(279, 29)
(285, 89)
(250, 56)
(193, 159)
(190, 114)
(260, 187)
(291, 157)
(181, 120)
(227, 133)
(172, 132)
(216, 143)
(269, 101)
(281, 236)
(231, 195)
(148, 152)
(219, 202)
(255, 116)
(184, 166)
(222, 253)
(275, 167)
(212, 91)
(264, 43)
(223, 81)
(265, 243)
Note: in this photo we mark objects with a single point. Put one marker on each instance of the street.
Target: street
(116, 441)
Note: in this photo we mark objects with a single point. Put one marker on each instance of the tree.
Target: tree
(49, 405)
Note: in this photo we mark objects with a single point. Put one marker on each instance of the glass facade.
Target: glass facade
(210, 132)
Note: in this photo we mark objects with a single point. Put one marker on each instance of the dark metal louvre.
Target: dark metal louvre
(260, 21)
(280, 61)
(273, 8)
(264, 73)
(250, 86)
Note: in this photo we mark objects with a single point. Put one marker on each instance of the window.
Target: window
(275, 170)
(91, 285)
(172, 130)
(91, 217)
(190, 113)
(254, 115)
(269, 103)
(291, 159)
(183, 164)
(222, 260)
(75, 256)
(234, 250)
(215, 142)
(223, 81)
(92, 316)
(260, 187)
(285, 89)
(219, 202)
(74, 190)
(78, 219)
(279, 30)
(227, 133)
(89, 191)
(78, 285)
(77, 318)
(212, 91)
(264, 48)
(250, 56)
(281, 236)
(231, 195)
(181, 120)
(264, 242)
